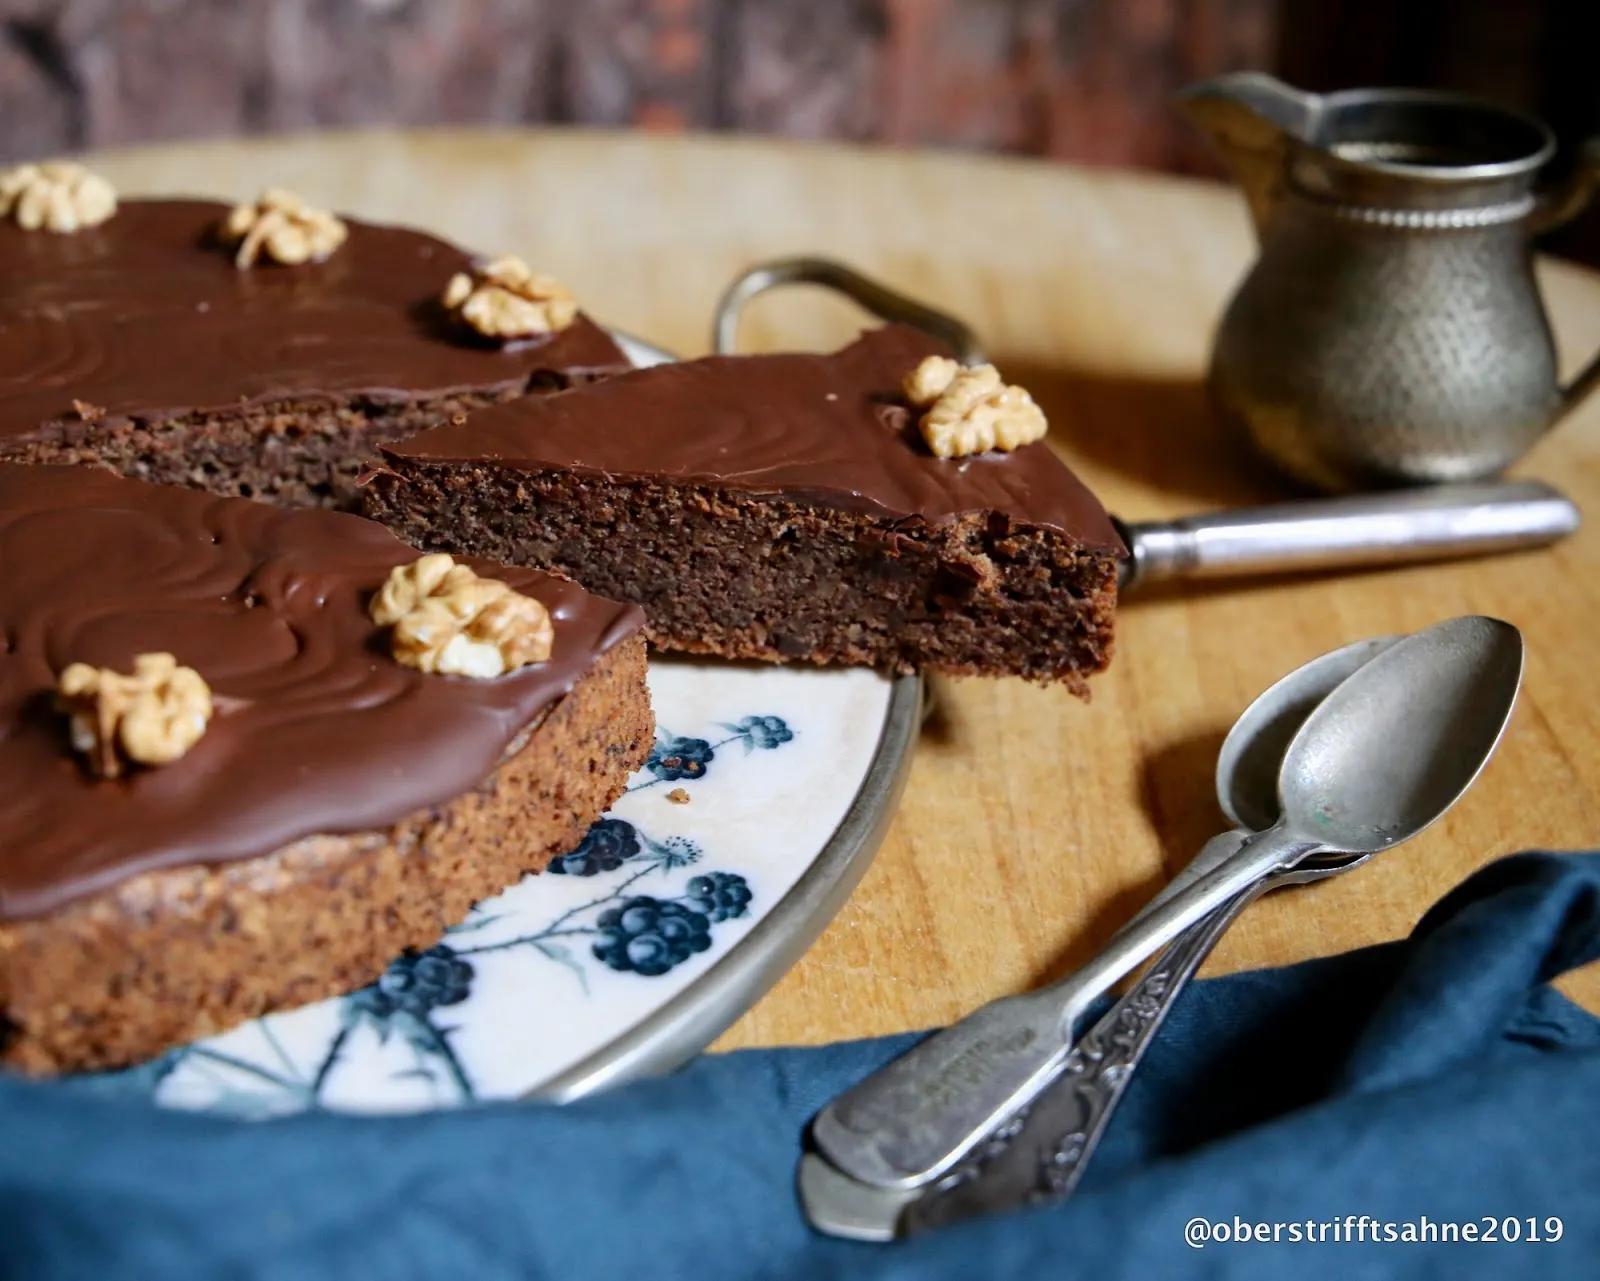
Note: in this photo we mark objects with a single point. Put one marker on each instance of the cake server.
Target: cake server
(1387, 527)
(1040, 1154)
(1386, 754)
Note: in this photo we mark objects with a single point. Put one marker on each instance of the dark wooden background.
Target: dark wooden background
(1080, 80)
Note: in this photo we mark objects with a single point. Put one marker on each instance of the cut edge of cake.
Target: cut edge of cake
(140, 347)
(297, 452)
(750, 577)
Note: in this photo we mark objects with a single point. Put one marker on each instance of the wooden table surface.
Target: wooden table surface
(1033, 824)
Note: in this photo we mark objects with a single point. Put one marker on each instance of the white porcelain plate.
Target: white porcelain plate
(764, 796)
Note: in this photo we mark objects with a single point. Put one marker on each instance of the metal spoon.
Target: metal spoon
(1046, 1152)
(1387, 753)
(1043, 1154)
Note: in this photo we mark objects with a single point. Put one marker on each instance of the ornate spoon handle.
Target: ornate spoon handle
(1039, 1155)
(915, 1118)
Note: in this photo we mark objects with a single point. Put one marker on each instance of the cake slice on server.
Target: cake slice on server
(878, 506)
(252, 754)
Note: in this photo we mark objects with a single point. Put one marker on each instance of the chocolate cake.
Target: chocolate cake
(139, 344)
(336, 808)
(778, 507)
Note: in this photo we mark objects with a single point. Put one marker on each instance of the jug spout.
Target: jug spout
(1251, 118)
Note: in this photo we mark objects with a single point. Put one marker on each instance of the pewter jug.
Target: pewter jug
(1391, 330)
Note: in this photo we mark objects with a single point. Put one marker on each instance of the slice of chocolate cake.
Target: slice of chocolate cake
(164, 342)
(238, 775)
(788, 507)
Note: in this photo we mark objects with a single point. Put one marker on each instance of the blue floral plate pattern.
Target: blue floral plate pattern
(703, 879)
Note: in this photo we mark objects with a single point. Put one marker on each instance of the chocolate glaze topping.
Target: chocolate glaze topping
(146, 317)
(316, 728)
(831, 429)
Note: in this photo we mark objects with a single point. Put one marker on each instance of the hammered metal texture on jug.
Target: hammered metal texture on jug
(1391, 330)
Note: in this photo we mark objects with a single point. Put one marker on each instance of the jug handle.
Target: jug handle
(1555, 208)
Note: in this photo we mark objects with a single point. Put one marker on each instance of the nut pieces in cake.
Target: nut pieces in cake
(149, 718)
(448, 620)
(971, 410)
(281, 226)
(56, 196)
(505, 301)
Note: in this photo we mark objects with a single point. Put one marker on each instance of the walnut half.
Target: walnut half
(57, 196)
(502, 299)
(446, 619)
(971, 410)
(282, 226)
(149, 718)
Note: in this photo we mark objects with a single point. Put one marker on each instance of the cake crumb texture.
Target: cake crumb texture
(747, 576)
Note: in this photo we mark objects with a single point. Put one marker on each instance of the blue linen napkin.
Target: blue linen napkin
(1437, 1078)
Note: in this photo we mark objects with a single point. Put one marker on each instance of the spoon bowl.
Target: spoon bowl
(1408, 733)
(1252, 754)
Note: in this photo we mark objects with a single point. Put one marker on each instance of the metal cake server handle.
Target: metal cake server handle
(1431, 522)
